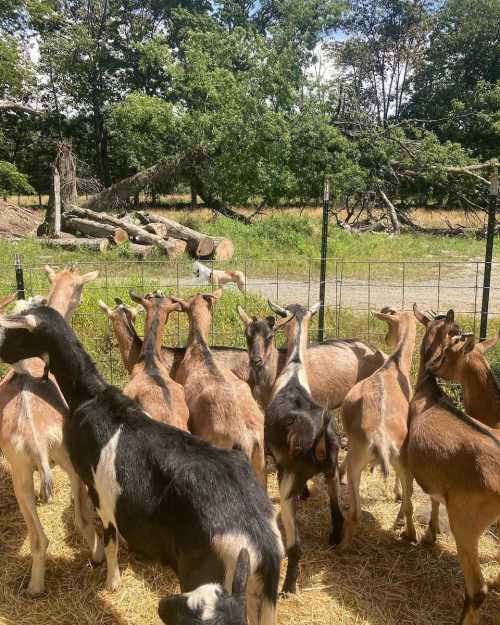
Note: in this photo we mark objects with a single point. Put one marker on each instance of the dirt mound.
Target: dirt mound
(16, 221)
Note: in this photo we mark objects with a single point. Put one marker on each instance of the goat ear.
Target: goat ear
(487, 344)
(243, 316)
(241, 573)
(424, 320)
(174, 306)
(51, 274)
(283, 322)
(89, 277)
(450, 316)
(104, 307)
(217, 294)
(279, 310)
(382, 316)
(271, 322)
(19, 322)
(7, 300)
(118, 301)
(314, 308)
(138, 299)
(182, 303)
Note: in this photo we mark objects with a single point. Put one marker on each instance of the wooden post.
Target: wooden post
(490, 237)
(21, 294)
(324, 253)
(57, 202)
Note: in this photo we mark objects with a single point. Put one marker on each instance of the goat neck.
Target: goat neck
(200, 319)
(297, 336)
(129, 343)
(406, 334)
(265, 376)
(481, 389)
(156, 319)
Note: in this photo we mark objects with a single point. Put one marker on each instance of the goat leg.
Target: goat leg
(288, 501)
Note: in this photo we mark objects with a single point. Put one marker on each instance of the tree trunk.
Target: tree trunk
(171, 247)
(194, 197)
(99, 245)
(393, 216)
(119, 194)
(199, 245)
(95, 229)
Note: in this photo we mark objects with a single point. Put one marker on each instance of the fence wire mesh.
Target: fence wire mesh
(353, 289)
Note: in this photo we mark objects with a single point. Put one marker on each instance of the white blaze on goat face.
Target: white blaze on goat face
(203, 600)
(106, 484)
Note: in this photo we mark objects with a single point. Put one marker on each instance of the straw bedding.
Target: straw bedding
(381, 581)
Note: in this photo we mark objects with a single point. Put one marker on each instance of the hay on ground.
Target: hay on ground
(381, 581)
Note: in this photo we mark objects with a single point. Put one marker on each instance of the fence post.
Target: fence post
(19, 277)
(490, 236)
(324, 253)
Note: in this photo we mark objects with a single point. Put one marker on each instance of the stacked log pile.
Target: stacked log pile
(83, 227)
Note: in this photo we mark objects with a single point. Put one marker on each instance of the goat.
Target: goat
(130, 345)
(455, 459)
(375, 414)
(122, 319)
(32, 411)
(464, 361)
(456, 357)
(151, 385)
(300, 436)
(222, 408)
(210, 604)
(170, 495)
(217, 277)
(349, 361)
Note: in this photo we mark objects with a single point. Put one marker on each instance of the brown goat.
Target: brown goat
(151, 385)
(349, 361)
(221, 406)
(32, 411)
(455, 459)
(375, 414)
(130, 345)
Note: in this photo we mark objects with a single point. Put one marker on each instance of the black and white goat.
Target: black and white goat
(210, 604)
(170, 495)
(301, 437)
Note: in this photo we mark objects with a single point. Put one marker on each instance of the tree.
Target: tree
(385, 43)
(11, 181)
(458, 84)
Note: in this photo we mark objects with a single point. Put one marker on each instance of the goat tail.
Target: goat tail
(382, 453)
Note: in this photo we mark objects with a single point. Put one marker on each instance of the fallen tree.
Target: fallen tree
(73, 244)
(119, 194)
(171, 247)
(199, 245)
(91, 228)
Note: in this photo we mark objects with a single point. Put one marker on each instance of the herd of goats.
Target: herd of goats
(175, 463)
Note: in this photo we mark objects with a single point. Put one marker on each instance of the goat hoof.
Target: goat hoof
(335, 539)
(410, 537)
(35, 593)
(429, 538)
(288, 590)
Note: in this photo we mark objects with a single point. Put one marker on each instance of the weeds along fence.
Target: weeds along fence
(353, 289)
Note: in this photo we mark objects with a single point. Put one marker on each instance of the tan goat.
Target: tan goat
(32, 411)
(375, 414)
(122, 319)
(151, 385)
(461, 360)
(349, 361)
(222, 408)
(455, 459)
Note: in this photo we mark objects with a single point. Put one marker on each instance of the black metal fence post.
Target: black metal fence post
(21, 294)
(490, 236)
(324, 254)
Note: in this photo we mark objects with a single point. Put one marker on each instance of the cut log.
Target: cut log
(95, 229)
(99, 245)
(171, 247)
(160, 229)
(141, 251)
(199, 245)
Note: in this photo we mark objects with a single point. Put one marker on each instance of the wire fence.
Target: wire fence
(353, 289)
